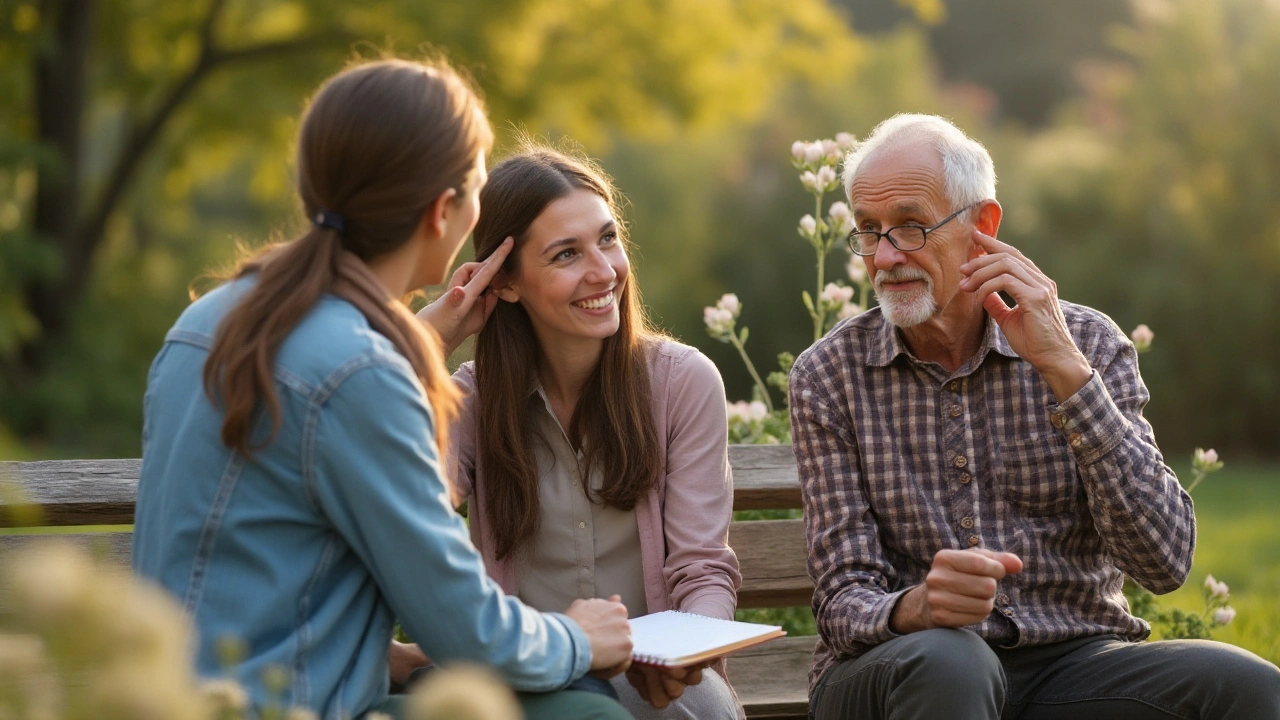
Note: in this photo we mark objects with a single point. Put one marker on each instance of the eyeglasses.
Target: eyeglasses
(907, 238)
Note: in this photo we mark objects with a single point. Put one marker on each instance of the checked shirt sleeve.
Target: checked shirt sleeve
(851, 601)
(1139, 508)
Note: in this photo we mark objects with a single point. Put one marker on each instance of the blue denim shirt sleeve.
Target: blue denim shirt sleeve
(373, 468)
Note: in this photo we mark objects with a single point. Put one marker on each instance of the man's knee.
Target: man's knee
(951, 661)
(1252, 684)
(928, 674)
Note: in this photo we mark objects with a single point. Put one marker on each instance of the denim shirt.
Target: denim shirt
(309, 551)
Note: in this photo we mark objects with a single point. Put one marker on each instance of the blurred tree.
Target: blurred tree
(1024, 55)
(137, 134)
(1157, 204)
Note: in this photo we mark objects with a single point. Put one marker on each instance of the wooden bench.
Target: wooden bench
(770, 679)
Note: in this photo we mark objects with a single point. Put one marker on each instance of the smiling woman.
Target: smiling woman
(593, 449)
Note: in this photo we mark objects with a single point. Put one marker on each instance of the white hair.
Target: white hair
(968, 174)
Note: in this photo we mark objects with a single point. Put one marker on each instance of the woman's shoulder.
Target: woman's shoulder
(676, 365)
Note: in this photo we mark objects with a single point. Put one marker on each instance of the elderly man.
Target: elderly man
(978, 477)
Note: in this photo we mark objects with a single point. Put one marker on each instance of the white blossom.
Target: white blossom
(846, 141)
(808, 226)
(857, 269)
(718, 320)
(1216, 588)
(1224, 615)
(813, 152)
(809, 180)
(826, 178)
(841, 218)
(797, 150)
(729, 301)
(831, 151)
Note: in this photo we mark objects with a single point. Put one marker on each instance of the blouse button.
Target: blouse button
(961, 461)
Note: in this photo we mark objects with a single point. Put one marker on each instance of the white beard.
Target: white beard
(906, 309)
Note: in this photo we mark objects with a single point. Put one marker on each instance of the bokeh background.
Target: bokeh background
(1138, 148)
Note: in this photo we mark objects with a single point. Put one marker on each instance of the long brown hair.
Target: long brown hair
(613, 419)
(378, 144)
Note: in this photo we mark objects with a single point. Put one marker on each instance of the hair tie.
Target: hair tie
(333, 221)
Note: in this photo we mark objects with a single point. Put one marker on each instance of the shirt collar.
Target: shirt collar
(887, 343)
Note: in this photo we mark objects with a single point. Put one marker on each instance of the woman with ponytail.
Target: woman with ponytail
(294, 421)
(592, 448)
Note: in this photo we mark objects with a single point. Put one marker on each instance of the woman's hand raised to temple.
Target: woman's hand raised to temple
(463, 309)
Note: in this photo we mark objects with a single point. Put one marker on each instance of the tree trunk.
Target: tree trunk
(61, 70)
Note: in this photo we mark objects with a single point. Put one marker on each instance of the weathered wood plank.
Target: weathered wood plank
(773, 557)
(764, 477)
(103, 492)
(772, 679)
(75, 492)
(112, 548)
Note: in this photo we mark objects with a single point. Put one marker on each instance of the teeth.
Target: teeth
(598, 303)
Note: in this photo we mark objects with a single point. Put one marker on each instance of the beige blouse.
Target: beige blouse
(581, 549)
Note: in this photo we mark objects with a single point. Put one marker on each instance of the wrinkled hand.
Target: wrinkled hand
(404, 659)
(959, 590)
(1035, 327)
(608, 633)
(462, 310)
(659, 686)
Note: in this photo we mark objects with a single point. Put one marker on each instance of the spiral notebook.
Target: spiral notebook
(676, 639)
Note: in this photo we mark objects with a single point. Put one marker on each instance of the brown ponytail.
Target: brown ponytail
(378, 144)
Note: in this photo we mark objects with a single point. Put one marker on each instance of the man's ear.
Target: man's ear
(988, 220)
(435, 219)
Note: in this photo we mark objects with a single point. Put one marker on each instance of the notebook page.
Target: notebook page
(671, 635)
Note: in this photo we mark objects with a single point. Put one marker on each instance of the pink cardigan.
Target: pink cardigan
(684, 521)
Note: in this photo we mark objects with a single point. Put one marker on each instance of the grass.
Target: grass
(1238, 543)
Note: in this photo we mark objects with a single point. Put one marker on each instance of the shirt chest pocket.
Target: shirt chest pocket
(1038, 476)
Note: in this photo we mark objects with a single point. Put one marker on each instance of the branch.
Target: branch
(144, 134)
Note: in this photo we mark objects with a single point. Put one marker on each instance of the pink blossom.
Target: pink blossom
(846, 141)
(729, 302)
(835, 295)
(850, 310)
(1142, 337)
(797, 150)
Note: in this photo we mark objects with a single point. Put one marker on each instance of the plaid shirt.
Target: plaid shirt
(899, 459)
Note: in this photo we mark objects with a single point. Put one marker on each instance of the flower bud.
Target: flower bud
(808, 226)
(797, 150)
(729, 302)
(846, 141)
(857, 269)
(809, 180)
(1224, 615)
(813, 152)
(1142, 337)
(826, 177)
